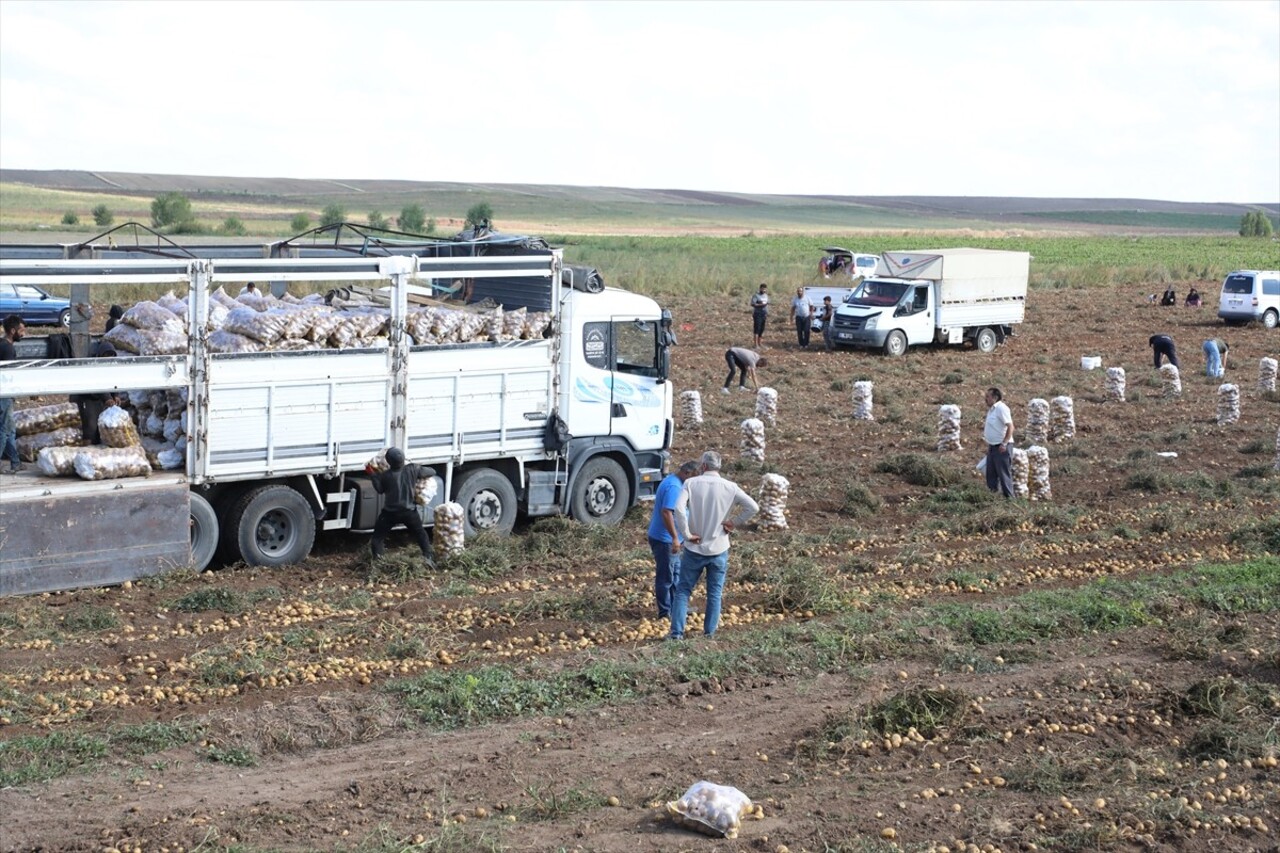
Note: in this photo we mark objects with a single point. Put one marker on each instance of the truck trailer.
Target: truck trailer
(575, 421)
(942, 296)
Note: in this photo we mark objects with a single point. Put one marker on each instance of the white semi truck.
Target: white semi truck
(943, 296)
(577, 421)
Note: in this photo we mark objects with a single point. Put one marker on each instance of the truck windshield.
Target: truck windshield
(877, 294)
(636, 343)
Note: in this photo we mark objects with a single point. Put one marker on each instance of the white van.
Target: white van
(1251, 295)
(851, 264)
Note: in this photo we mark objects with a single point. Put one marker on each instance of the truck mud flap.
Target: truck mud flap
(54, 538)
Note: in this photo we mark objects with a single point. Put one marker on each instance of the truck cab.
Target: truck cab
(887, 313)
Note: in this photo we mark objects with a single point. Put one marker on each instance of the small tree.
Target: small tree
(300, 222)
(377, 220)
(102, 216)
(480, 213)
(70, 218)
(411, 219)
(171, 209)
(332, 215)
(233, 226)
(431, 226)
(1255, 223)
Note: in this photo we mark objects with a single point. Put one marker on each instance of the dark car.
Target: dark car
(34, 306)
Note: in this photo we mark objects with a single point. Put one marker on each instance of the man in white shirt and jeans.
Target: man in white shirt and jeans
(998, 432)
(709, 499)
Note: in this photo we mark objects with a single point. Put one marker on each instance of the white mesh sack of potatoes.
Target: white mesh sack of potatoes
(1267, 374)
(1037, 429)
(767, 406)
(448, 537)
(1228, 403)
(112, 463)
(1171, 381)
(1038, 465)
(1018, 468)
(711, 809)
(862, 400)
(690, 409)
(1114, 386)
(753, 439)
(116, 428)
(948, 428)
(1062, 420)
(773, 502)
(424, 491)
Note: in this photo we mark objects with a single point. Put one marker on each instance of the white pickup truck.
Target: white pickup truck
(944, 296)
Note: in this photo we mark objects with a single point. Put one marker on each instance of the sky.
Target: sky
(1160, 100)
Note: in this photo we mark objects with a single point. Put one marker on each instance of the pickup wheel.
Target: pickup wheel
(896, 344)
(204, 532)
(270, 526)
(986, 340)
(601, 492)
(1271, 319)
(488, 502)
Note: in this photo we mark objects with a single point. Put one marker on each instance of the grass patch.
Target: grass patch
(28, 760)
(802, 585)
(593, 604)
(919, 470)
(91, 618)
(926, 710)
(210, 598)
(401, 566)
(235, 756)
(859, 499)
(549, 804)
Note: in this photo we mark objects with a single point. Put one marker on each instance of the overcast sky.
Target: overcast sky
(1162, 100)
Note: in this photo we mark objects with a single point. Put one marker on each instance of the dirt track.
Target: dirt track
(1074, 744)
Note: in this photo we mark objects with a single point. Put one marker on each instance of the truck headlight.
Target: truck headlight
(871, 321)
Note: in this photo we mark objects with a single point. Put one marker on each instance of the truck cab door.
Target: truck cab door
(638, 403)
(914, 314)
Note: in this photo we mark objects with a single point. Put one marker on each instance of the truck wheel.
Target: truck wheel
(1271, 319)
(488, 502)
(986, 340)
(271, 526)
(601, 492)
(896, 344)
(204, 532)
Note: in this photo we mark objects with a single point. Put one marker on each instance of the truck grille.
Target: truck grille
(849, 323)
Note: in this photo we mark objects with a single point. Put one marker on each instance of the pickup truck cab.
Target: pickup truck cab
(1250, 295)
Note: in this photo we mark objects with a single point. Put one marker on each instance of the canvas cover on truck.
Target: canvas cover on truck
(966, 274)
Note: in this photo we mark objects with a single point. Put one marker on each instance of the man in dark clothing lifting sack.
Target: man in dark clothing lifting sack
(397, 487)
(1162, 347)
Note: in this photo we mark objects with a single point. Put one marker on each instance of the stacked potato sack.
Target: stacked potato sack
(161, 417)
(149, 329)
(1037, 430)
(449, 533)
(1038, 463)
(767, 406)
(773, 502)
(1228, 403)
(57, 461)
(1019, 469)
(948, 428)
(1114, 390)
(1062, 425)
(691, 409)
(1172, 381)
(863, 392)
(117, 429)
(111, 463)
(57, 425)
(753, 439)
(1267, 374)
(711, 809)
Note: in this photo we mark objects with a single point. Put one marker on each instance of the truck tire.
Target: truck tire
(895, 345)
(1271, 319)
(601, 492)
(271, 526)
(488, 502)
(986, 340)
(204, 532)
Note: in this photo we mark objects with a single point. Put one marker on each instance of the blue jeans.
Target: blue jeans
(666, 575)
(1213, 360)
(691, 566)
(8, 432)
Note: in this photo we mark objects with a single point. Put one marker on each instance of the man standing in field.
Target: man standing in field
(708, 500)
(664, 537)
(998, 432)
(828, 319)
(801, 314)
(759, 313)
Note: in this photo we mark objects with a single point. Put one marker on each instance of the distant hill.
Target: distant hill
(622, 209)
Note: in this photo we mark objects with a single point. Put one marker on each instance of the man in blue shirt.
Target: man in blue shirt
(664, 540)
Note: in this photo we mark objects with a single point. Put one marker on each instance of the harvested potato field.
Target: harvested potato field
(908, 664)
